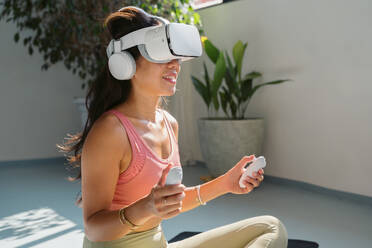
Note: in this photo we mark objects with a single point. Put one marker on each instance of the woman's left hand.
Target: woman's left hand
(232, 177)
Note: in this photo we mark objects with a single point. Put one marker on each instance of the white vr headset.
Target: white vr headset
(157, 44)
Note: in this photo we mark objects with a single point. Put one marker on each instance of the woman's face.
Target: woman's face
(156, 79)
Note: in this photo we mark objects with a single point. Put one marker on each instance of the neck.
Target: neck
(142, 107)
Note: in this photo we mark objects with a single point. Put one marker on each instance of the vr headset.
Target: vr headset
(157, 44)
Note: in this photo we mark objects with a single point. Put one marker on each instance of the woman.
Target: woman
(128, 146)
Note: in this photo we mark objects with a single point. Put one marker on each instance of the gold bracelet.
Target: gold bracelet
(199, 198)
(124, 220)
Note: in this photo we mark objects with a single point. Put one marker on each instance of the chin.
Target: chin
(170, 92)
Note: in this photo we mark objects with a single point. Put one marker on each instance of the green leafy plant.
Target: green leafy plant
(71, 31)
(235, 94)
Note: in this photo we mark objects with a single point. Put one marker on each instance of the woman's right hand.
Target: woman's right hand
(165, 201)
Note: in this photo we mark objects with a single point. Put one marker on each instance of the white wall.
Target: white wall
(36, 106)
(318, 127)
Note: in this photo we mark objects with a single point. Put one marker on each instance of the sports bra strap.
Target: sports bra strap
(169, 126)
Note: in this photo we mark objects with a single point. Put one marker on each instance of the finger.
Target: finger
(248, 186)
(245, 160)
(172, 214)
(174, 199)
(258, 177)
(253, 181)
(262, 178)
(169, 208)
(257, 174)
(168, 190)
(164, 175)
(261, 171)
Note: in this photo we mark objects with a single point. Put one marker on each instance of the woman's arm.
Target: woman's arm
(208, 191)
(226, 183)
(100, 164)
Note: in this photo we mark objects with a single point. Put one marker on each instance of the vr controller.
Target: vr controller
(174, 176)
(255, 166)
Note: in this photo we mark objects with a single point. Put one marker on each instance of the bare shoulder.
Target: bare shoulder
(107, 135)
(173, 122)
(100, 163)
(107, 130)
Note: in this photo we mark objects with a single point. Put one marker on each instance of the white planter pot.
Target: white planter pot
(224, 142)
(80, 102)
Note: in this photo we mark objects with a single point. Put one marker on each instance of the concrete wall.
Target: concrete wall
(36, 107)
(318, 127)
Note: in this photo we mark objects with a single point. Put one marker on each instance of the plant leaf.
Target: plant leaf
(223, 102)
(231, 67)
(207, 80)
(238, 53)
(219, 74)
(216, 104)
(30, 50)
(233, 108)
(201, 89)
(252, 75)
(264, 84)
(246, 89)
(232, 84)
(229, 98)
(247, 83)
(211, 51)
(16, 37)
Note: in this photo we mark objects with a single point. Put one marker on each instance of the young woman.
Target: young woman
(128, 146)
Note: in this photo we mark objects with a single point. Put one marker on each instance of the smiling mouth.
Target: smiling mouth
(172, 80)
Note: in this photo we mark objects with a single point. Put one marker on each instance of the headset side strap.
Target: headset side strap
(135, 38)
(110, 48)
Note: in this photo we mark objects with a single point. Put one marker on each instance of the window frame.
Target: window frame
(212, 5)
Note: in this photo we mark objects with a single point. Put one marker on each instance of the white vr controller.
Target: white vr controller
(174, 176)
(255, 166)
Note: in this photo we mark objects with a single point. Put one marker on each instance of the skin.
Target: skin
(107, 152)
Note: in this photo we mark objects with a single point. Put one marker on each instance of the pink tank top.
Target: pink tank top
(145, 168)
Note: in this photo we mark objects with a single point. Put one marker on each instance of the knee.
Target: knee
(272, 230)
(271, 220)
(279, 229)
(275, 224)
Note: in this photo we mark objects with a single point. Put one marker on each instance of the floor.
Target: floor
(37, 210)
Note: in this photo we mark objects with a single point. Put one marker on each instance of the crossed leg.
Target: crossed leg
(258, 232)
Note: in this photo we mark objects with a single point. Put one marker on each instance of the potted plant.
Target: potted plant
(224, 140)
(72, 32)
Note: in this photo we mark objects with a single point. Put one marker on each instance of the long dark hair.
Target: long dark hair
(106, 92)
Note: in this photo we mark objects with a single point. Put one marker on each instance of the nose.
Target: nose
(174, 63)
